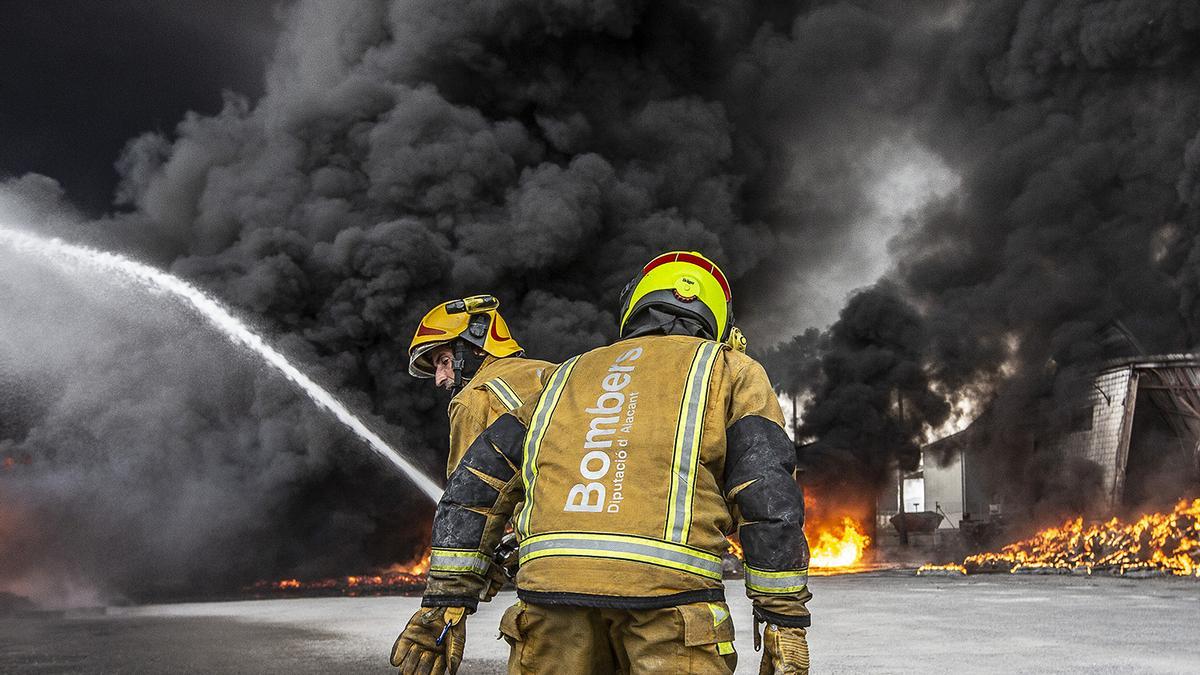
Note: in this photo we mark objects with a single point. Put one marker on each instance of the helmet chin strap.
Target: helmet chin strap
(465, 363)
(459, 362)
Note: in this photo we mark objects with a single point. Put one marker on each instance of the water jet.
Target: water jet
(57, 251)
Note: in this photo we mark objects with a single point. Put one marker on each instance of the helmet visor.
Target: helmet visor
(420, 365)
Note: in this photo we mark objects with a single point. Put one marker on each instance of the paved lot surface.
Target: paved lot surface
(876, 623)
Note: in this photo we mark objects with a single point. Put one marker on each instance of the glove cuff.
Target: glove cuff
(803, 621)
(471, 604)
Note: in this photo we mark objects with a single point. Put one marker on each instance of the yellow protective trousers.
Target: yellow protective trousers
(693, 638)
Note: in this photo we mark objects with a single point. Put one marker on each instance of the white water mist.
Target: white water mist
(58, 251)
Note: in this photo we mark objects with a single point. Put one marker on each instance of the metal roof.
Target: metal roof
(1152, 361)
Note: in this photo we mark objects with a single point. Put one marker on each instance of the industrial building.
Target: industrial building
(1138, 423)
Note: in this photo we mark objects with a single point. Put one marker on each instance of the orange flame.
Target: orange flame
(840, 546)
(416, 568)
(836, 539)
(1167, 543)
(835, 547)
(396, 578)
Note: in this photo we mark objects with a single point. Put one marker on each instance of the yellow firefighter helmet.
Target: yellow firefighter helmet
(682, 283)
(474, 319)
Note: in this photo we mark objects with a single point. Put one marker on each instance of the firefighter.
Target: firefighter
(634, 463)
(465, 347)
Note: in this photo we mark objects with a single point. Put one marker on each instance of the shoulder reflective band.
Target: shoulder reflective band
(459, 561)
(503, 392)
(687, 443)
(792, 581)
(533, 440)
(622, 547)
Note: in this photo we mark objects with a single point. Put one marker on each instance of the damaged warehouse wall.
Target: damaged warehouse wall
(1138, 425)
(1100, 425)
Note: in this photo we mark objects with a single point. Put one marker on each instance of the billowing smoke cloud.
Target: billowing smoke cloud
(876, 395)
(1073, 139)
(415, 150)
(404, 153)
(1072, 127)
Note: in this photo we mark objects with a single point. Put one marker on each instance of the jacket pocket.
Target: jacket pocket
(706, 623)
(510, 628)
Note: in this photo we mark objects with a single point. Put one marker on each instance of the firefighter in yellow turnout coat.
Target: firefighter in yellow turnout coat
(634, 463)
(465, 346)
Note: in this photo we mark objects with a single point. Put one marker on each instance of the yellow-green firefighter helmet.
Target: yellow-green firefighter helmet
(682, 283)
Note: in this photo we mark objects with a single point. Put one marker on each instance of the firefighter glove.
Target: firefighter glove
(432, 642)
(497, 578)
(785, 651)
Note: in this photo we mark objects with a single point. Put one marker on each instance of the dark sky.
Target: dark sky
(78, 78)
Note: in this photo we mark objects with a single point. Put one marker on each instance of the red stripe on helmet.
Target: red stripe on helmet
(429, 330)
(664, 258)
(695, 260)
(496, 336)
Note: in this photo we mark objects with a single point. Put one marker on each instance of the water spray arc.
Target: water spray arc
(56, 250)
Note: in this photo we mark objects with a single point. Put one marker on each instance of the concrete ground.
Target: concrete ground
(872, 623)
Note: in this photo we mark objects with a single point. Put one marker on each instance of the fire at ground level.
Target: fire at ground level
(879, 623)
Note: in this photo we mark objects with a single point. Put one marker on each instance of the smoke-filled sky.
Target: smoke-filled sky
(79, 79)
(1000, 181)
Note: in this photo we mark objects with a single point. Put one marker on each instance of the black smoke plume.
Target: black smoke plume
(404, 153)
(415, 150)
(1073, 127)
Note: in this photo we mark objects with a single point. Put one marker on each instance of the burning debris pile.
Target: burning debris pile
(399, 579)
(1156, 543)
